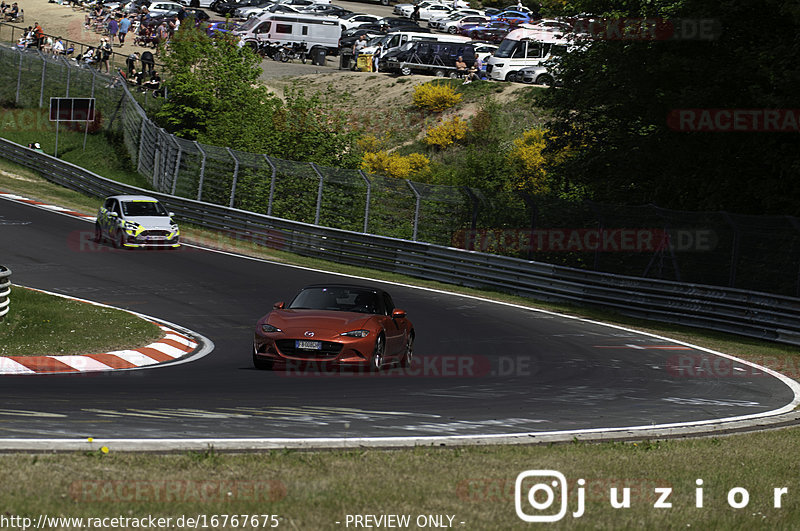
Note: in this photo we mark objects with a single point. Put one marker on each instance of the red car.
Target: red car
(336, 324)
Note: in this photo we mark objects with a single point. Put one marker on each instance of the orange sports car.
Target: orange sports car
(335, 324)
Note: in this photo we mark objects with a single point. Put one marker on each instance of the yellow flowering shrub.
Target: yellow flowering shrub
(393, 165)
(527, 158)
(435, 97)
(447, 133)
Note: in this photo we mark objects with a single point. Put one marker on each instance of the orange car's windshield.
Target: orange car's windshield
(337, 299)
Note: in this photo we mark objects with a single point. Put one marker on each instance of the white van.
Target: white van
(522, 48)
(399, 38)
(287, 28)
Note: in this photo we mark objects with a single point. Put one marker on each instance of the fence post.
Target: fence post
(416, 209)
(19, 76)
(235, 175)
(177, 165)
(271, 184)
(795, 223)
(5, 290)
(734, 248)
(369, 194)
(69, 72)
(202, 171)
(319, 192)
(141, 146)
(41, 88)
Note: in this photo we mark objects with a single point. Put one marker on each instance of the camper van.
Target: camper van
(396, 39)
(288, 28)
(522, 48)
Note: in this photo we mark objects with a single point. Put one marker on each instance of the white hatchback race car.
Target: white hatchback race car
(136, 221)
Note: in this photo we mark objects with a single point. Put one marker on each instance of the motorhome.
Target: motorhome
(288, 29)
(523, 48)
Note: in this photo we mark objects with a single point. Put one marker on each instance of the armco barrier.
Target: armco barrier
(5, 291)
(747, 313)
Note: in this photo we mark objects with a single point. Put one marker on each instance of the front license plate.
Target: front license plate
(308, 345)
(155, 238)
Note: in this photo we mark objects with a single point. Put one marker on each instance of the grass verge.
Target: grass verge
(315, 490)
(40, 324)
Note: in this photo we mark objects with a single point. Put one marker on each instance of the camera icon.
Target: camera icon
(535, 495)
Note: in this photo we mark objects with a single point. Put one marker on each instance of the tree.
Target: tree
(618, 94)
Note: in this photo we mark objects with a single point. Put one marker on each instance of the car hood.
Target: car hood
(152, 222)
(317, 320)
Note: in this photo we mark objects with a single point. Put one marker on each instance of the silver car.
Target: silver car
(132, 221)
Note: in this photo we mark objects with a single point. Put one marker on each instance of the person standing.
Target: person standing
(148, 62)
(124, 27)
(105, 54)
(376, 57)
(38, 35)
(130, 63)
(415, 14)
(113, 28)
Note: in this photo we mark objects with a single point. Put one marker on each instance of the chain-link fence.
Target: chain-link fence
(749, 252)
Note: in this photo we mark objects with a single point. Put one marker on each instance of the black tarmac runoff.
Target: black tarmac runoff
(480, 367)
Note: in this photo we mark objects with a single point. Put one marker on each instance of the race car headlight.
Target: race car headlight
(356, 333)
(134, 229)
(269, 329)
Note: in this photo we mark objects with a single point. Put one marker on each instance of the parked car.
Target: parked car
(537, 75)
(336, 324)
(131, 221)
(483, 49)
(164, 8)
(491, 31)
(513, 17)
(329, 10)
(349, 37)
(358, 19)
(453, 25)
(222, 26)
(206, 4)
(244, 7)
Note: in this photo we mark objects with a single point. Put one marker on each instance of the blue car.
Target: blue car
(513, 17)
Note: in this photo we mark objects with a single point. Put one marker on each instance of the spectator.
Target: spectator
(415, 14)
(113, 29)
(58, 47)
(162, 34)
(138, 77)
(357, 47)
(148, 61)
(105, 54)
(130, 63)
(124, 26)
(38, 35)
(376, 57)
(461, 67)
(36, 146)
(474, 73)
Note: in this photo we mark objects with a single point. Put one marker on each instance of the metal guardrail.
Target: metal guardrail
(747, 313)
(5, 291)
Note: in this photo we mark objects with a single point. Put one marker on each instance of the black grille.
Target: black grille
(329, 350)
(489, 69)
(163, 233)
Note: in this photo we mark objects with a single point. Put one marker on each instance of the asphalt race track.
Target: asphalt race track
(481, 368)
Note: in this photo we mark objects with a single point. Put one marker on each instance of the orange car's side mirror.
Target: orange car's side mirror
(279, 305)
(399, 314)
